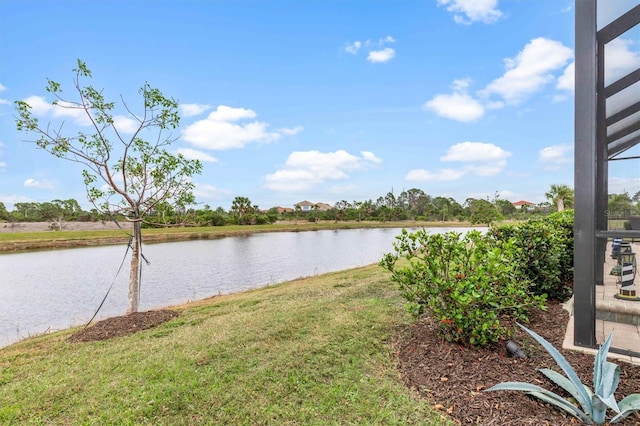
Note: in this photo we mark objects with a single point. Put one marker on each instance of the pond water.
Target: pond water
(50, 290)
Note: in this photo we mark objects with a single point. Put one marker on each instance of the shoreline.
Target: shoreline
(32, 236)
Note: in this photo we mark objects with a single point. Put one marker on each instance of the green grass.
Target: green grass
(310, 351)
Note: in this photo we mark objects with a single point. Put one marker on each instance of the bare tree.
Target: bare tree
(123, 175)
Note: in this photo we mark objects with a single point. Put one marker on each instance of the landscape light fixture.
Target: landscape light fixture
(627, 263)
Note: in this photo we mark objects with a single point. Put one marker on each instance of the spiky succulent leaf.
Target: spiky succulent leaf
(563, 404)
(627, 406)
(611, 377)
(599, 409)
(544, 395)
(582, 396)
(564, 383)
(606, 375)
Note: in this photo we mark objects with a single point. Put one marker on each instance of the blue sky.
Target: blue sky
(285, 101)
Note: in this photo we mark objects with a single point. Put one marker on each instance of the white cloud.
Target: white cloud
(530, 70)
(11, 200)
(475, 152)
(353, 47)
(305, 169)
(189, 110)
(468, 11)
(567, 79)
(370, 156)
(481, 159)
(125, 124)
(291, 130)
(227, 113)
(422, 175)
(194, 154)
(384, 55)
(40, 106)
(456, 106)
(219, 130)
(377, 53)
(619, 185)
(40, 184)
(294, 180)
(619, 59)
(553, 157)
(3, 101)
(3, 165)
(209, 192)
(506, 194)
(527, 73)
(614, 9)
(461, 85)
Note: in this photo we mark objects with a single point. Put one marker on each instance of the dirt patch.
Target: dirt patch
(123, 325)
(452, 377)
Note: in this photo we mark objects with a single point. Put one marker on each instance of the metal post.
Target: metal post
(585, 184)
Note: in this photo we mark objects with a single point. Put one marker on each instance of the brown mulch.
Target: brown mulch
(452, 378)
(122, 326)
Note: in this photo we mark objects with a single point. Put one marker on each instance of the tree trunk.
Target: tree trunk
(134, 274)
(560, 204)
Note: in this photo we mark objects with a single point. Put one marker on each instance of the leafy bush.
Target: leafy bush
(563, 225)
(546, 252)
(593, 404)
(469, 284)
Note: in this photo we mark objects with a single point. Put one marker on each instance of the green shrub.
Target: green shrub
(563, 225)
(546, 252)
(469, 284)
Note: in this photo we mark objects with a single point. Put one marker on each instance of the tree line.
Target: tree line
(412, 204)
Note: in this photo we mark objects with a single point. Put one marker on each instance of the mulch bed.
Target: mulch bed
(452, 377)
(123, 325)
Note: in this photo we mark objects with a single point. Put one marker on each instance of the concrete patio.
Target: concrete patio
(622, 317)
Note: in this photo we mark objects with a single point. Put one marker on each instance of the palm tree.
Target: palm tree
(560, 195)
(241, 206)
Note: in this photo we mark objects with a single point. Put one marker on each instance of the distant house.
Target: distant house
(307, 206)
(523, 205)
(282, 210)
(323, 207)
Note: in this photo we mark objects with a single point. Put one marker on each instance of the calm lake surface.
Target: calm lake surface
(51, 290)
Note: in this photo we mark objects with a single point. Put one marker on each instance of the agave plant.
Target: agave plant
(593, 404)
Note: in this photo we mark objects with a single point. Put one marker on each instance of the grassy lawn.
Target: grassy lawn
(311, 351)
